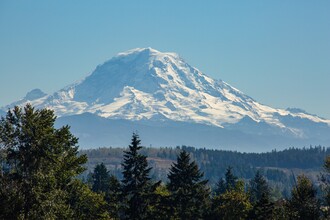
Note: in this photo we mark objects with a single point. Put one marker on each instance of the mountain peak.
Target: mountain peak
(34, 94)
(144, 53)
(138, 50)
(146, 84)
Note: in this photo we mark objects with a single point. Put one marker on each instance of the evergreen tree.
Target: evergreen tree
(304, 203)
(220, 187)
(260, 198)
(325, 185)
(325, 178)
(263, 208)
(101, 178)
(112, 196)
(228, 183)
(232, 204)
(38, 166)
(161, 209)
(109, 186)
(327, 164)
(189, 193)
(137, 187)
(280, 210)
(86, 203)
(258, 187)
(231, 179)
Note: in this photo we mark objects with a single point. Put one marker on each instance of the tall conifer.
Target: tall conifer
(260, 198)
(258, 187)
(189, 193)
(232, 204)
(228, 183)
(101, 178)
(41, 164)
(304, 203)
(137, 186)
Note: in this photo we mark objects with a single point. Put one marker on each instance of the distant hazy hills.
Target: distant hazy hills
(172, 103)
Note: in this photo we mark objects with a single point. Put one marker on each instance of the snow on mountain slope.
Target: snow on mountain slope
(145, 84)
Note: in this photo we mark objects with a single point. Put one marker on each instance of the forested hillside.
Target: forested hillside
(44, 176)
(279, 167)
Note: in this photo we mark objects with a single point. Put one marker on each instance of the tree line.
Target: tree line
(288, 158)
(278, 167)
(40, 166)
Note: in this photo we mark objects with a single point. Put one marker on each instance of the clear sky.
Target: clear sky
(278, 52)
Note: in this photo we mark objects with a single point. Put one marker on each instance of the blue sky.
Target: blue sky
(278, 52)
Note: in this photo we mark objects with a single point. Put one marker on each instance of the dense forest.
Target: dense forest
(44, 176)
(279, 167)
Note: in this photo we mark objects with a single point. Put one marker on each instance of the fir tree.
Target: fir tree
(258, 187)
(220, 187)
(101, 178)
(232, 204)
(112, 196)
(260, 198)
(40, 166)
(109, 186)
(161, 209)
(325, 186)
(304, 203)
(189, 193)
(263, 208)
(228, 183)
(137, 186)
(86, 203)
(231, 179)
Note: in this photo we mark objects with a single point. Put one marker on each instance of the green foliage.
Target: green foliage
(327, 164)
(326, 180)
(260, 198)
(189, 193)
(228, 183)
(101, 179)
(280, 210)
(325, 187)
(86, 203)
(137, 187)
(232, 204)
(113, 195)
(108, 186)
(304, 203)
(263, 208)
(258, 188)
(11, 199)
(161, 208)
(39, 164)
(274, 165)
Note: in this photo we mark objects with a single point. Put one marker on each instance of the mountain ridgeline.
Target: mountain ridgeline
(171, 102)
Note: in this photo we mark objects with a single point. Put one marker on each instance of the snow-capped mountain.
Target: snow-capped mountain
(146, 86)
